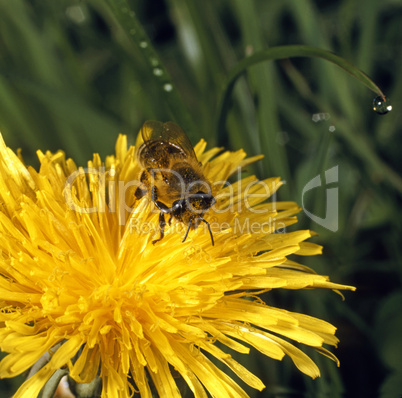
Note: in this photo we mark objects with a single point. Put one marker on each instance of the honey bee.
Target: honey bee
(172, 176)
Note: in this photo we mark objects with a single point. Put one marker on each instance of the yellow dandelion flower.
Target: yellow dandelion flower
(81, 280)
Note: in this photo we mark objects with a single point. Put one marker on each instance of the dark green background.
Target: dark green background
(71, 79)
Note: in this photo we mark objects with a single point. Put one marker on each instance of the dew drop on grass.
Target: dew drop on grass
(167, 87)
(158, 72)
(381, 105)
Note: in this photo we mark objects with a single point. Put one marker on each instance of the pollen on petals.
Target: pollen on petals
(82, 282)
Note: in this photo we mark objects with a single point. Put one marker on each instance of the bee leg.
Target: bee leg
(188, 229)
(170, 219)
(154, 195)
(162, 224)
(209, 229)
(163, 209)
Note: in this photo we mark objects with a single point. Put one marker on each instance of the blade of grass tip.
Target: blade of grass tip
(283, 52)
(135, 33)
(361, 146)
(357, 142)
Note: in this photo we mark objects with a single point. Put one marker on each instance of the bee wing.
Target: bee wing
(170, 133)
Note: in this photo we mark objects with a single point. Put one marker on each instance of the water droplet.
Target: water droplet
(76, 14)
(319, 117)
(158, 72)
(143, 44)
(168, 87)
(381, 105)
(154, 62)
(332, 128)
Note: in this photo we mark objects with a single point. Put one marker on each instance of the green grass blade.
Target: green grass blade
(136, 35)
(262, 82)
(282, 52)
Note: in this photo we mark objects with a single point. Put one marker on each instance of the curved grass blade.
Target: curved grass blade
(282, 52)
(361, 146)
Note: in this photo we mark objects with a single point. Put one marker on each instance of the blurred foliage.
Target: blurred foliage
(73, 76)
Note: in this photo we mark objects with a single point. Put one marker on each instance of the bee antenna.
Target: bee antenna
(188, 229)
(209, 229)
(189, 226)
